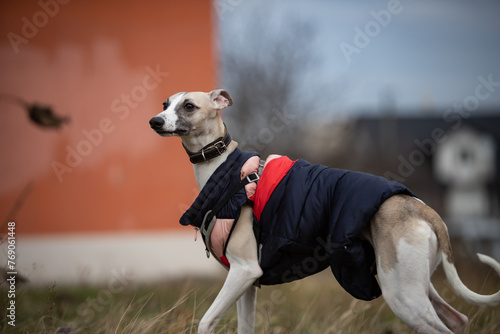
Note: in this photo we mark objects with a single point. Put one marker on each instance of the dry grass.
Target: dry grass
(315, 305)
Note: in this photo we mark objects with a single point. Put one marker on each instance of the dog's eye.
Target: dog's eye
(189, 106)
(165, 105)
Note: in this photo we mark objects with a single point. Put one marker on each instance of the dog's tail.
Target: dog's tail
(463, 291)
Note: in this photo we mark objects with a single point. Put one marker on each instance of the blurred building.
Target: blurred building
(103, 193)
(454, 166)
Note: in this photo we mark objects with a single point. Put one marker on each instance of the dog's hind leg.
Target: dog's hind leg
(405, 288)
(242, 256)
(455, 320)
(406, 249)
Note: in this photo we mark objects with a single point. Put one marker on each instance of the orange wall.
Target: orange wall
(92, 60)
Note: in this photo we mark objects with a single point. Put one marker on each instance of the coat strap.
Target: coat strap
(210, 216)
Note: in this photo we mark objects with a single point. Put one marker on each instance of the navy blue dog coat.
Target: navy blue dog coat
(311, 221)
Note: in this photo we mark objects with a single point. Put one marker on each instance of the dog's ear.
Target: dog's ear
(221, 98)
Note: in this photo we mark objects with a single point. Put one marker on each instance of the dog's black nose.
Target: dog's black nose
(156, 123)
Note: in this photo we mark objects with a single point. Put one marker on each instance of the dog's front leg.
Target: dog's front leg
(246, 310)
(239, 280)
(242, 256)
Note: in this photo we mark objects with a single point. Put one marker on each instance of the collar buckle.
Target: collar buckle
(220, 146)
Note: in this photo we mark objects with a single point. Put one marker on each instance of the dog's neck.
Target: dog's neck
(203, 170)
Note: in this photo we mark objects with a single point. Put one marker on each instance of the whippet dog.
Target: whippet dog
(408, 237)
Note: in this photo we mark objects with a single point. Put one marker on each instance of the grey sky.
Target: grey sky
(428, 53)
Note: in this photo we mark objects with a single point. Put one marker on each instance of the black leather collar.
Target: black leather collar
(212, 150)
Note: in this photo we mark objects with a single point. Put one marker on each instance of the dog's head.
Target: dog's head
(187, 114)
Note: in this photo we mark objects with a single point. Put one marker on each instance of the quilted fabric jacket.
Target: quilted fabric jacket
(311, 221)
